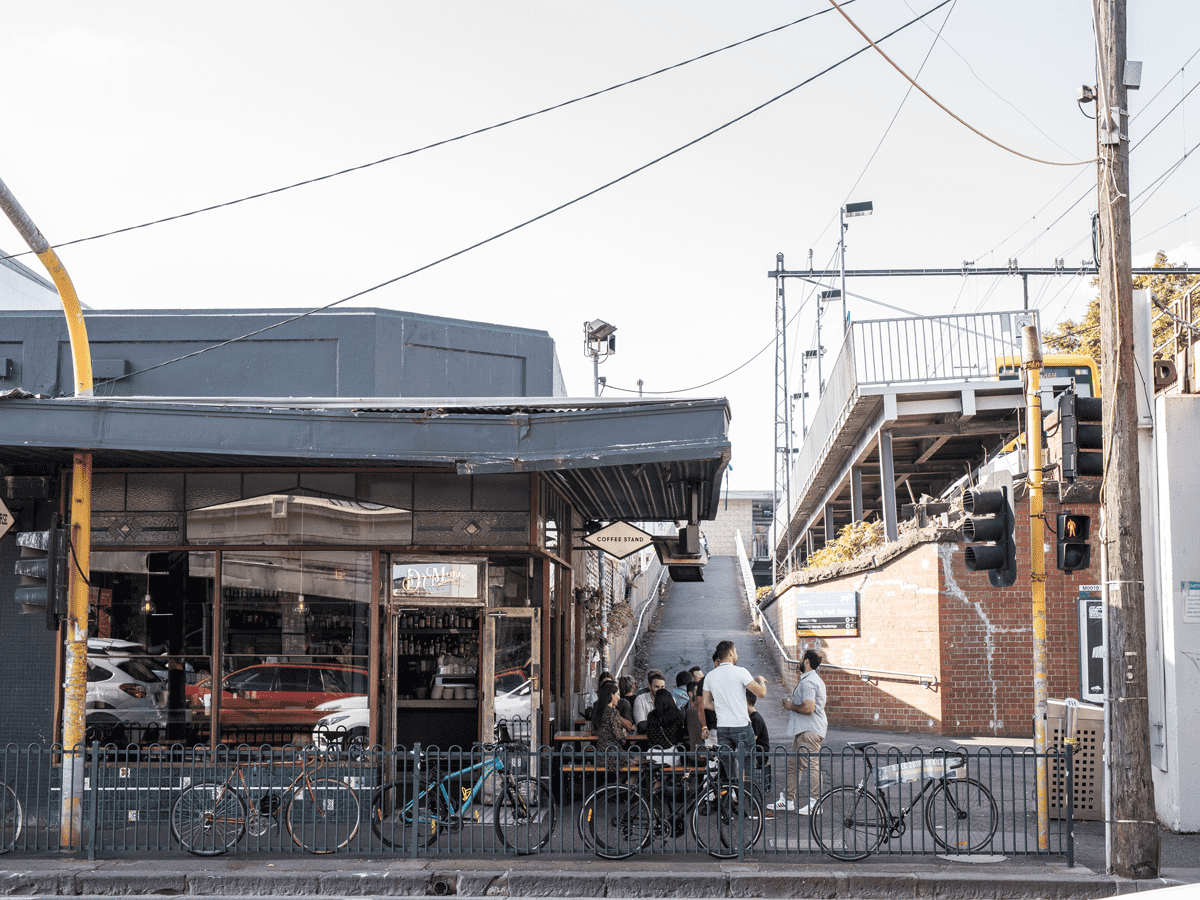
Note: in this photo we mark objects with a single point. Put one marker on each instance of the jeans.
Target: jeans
(733, 738)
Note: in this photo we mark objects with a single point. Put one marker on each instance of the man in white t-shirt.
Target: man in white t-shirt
(725, 692)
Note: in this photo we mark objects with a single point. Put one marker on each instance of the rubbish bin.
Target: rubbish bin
(1089, 755)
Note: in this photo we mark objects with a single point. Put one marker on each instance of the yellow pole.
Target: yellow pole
(79, 561)
(1032, 363)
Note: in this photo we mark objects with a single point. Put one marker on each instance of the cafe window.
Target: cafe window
(295, 633)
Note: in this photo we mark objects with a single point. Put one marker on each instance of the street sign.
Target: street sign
(827, 614)
(620, 539)
(6, 519)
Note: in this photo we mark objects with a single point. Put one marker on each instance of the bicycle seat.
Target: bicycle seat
(860, 745)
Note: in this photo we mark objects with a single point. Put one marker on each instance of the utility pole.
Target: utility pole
(1132, 832)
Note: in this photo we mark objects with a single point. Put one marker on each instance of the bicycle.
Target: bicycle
(12, 819)
(523, 811)
(321, 814)
(850, 823)
(616, 821)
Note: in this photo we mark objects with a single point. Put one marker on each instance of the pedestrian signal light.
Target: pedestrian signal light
(1074, 552)
(988, 529)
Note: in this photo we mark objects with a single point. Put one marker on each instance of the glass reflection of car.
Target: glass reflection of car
(280, 692)
(515, 708)
(125, 700)
(344, 725)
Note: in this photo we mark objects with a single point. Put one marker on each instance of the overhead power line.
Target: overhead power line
(943, 108)
(532, 220)
(441, 143)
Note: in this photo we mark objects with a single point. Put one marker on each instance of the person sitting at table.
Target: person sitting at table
(644, 702)
(664, 724)
(693, 718)
(628, 687)
(610, 728)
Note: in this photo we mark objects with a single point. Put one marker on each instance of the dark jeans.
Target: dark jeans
(740, 741)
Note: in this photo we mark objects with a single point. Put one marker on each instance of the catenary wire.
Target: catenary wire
(527, 222)
(1082, 162)
(435, 144)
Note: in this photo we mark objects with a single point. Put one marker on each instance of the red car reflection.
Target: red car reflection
(280, 692)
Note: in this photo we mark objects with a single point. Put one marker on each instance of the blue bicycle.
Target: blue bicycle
(523, 810)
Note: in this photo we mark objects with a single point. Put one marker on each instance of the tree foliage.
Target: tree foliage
(1083, 336)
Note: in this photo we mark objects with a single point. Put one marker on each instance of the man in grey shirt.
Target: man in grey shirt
(807, 725)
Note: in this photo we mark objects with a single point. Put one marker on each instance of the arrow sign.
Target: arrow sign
(619, 539)
(6, 519)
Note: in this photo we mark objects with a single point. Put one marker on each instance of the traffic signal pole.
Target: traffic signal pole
(1031, 362)
(1132, 832)
(79, 551)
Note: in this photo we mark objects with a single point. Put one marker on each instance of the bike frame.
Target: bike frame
(484, 767)
(896, 820)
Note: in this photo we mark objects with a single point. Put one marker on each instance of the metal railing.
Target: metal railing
(508, 800)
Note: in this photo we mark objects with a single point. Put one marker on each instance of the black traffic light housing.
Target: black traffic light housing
(989, 530)
(1082, 422)
(1074, 551)
(43, 570)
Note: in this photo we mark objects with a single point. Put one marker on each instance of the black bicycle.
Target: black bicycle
(850, 823)
(618, 820)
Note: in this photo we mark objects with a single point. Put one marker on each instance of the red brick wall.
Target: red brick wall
(924, 613)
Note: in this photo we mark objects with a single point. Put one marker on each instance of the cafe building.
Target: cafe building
(340, 518)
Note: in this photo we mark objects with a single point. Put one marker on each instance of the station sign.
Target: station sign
(620, 539)
(827, 614)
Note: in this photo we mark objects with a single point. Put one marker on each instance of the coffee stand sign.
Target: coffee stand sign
(620, 539)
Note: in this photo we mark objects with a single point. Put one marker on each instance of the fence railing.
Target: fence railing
(506, 799)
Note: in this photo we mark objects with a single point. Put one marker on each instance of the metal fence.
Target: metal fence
(509, 800)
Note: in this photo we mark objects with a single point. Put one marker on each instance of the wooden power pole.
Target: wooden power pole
(1133, 843)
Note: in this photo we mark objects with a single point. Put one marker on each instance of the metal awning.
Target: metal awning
(635, 459)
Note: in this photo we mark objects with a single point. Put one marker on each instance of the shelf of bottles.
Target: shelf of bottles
(429, 643)
(265, 623)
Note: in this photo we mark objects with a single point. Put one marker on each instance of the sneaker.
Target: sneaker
(782, 805)
(807, 807)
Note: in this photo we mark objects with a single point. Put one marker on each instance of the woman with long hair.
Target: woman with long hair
(664, 725)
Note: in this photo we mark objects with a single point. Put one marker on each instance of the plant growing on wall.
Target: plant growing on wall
(853, 540)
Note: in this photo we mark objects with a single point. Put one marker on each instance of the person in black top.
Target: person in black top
(762, 740)
(664, 724)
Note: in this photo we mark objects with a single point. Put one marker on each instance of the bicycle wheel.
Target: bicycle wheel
(961, 815)
(398, 819)
(615, 822)
(11, 818)
(848, 823)
(718, 819)
(323, 814)
(524, 815)
(208, 819)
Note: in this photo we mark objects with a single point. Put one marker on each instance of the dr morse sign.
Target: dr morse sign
(827, 614)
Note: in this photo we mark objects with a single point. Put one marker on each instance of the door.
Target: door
(511, 686)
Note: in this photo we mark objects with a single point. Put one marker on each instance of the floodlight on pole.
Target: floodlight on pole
(849, 211)
(599, 340)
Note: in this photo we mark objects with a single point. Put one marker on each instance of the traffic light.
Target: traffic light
(1082, 422)
(1074, 552)
(43, 570)
(989, 527)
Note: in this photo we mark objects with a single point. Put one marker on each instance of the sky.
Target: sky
(123, 113)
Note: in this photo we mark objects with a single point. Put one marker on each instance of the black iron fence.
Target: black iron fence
(506, 799)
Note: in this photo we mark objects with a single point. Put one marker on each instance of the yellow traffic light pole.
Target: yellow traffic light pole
(1031, 362)
(79, 564)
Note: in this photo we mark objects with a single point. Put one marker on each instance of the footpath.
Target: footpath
(694, 618)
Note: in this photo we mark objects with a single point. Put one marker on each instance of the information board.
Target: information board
(827, 614)
(1091, 643)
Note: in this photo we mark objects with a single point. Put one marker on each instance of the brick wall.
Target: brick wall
(723, 529)
(923, 613)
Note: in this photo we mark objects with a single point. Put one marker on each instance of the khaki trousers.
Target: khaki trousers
(801, 763)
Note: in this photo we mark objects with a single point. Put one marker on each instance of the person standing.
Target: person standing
(807, 725)
(725, 692)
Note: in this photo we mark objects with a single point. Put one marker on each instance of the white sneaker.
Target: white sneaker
(783, 804)
(807, 807)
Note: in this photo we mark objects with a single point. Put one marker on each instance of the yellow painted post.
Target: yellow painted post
(1031, 360)
(79, 559)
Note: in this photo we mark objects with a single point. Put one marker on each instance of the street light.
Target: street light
(599, 340)
(849, 211)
